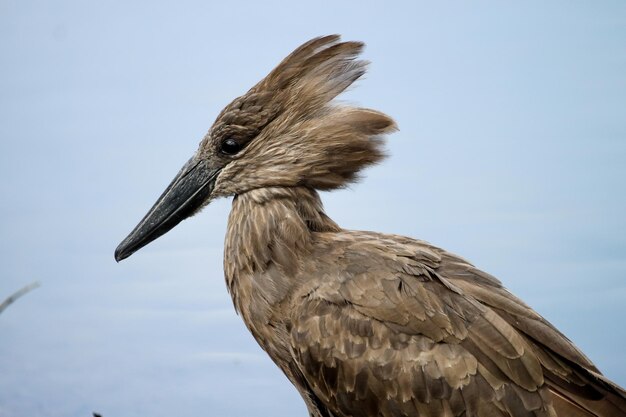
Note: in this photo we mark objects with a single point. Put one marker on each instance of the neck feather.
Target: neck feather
(271, 229)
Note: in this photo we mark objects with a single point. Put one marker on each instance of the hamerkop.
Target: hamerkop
(363, 324)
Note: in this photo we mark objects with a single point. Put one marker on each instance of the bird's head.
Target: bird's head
(284, 132)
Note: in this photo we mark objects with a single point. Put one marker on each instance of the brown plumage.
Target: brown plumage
(363, 324)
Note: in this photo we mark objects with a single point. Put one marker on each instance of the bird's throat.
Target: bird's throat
(270, 231)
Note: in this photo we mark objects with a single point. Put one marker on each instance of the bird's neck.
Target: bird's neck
(270, 231)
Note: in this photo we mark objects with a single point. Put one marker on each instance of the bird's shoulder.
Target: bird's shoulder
(391, 279)
(380, 326)
(381, 313)
(409, 276)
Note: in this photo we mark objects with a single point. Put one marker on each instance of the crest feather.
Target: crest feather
(291, 132)
(311, 76)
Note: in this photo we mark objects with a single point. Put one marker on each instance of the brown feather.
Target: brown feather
(377, 325)
(366, 324)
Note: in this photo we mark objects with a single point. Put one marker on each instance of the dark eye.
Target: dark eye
(230, 146)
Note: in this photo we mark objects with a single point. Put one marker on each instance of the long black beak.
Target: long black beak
(191, 187)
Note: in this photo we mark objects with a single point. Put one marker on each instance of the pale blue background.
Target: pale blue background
(511, 152)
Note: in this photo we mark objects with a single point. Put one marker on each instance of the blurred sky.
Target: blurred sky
(511, 152)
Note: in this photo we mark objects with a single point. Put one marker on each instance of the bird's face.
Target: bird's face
(198, 182)
(282, 133)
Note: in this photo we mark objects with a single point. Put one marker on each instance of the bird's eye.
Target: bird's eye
(230, 146)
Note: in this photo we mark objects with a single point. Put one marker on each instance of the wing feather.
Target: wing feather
(408, 329)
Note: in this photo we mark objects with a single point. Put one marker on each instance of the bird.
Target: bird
(363, 324)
